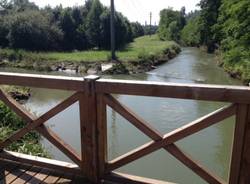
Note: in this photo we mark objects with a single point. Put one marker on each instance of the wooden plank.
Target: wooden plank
(102, 135)
(122, 178)
(194, 165)
(128, 114)
(88, 124)
(14, 174)
(39, 177)
(235, 94)
(4, 171)
(176, 135)
(239, 134)
(26, 176)
(42, 162)
(52, 178)
(32, 122)
(64, 180)
(42, 81)
(245, 161)
(3, 165)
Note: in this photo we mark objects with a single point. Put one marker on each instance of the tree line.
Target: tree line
(23, 25)
(220, 25)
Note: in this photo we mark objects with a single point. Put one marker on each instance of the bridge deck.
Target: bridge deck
(18, 173)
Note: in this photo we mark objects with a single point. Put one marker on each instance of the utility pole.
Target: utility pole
(112, 28)
(150, 26)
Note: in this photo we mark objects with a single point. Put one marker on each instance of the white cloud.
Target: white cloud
(135, 10)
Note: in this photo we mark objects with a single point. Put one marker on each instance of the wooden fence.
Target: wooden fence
(94, 95)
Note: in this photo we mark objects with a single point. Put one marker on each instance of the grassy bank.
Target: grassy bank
(10, 123)
(236, 64)
(142, 48)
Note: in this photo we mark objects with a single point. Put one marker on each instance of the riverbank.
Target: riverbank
(139, 56)
(239, 68)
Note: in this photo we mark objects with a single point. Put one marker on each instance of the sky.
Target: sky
(134, 10)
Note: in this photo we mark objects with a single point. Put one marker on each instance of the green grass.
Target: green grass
(146, 44)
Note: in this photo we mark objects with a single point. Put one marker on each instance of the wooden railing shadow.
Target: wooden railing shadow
(94, 95)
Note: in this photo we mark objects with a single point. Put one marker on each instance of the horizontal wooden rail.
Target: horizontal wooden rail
(122, 178)
(41, 162)
(43, 81)
(234, 94)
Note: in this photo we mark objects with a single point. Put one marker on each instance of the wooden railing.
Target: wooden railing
(94, 95)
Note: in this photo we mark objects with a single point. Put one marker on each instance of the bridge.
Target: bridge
(94, 96)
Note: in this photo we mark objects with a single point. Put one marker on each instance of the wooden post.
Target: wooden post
(240, 162)
(245, 161)
(102, 135)
(88, 123)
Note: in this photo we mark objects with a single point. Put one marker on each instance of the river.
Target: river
(211, 146)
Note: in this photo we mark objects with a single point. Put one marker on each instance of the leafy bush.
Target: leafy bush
(10, 123)
(28, 33)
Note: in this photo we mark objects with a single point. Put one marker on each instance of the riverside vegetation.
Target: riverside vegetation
(138, 56)
(10, 123)
(221, 26)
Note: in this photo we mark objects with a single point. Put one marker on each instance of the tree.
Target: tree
(209, 15)
(5, 4)
(123, 30)
(93, 23)
(182, 17)
(68, 26)
(137, 29)
(22, 5)
(191, 33)
(31, 30)
(233, 29)
(4, 30)
(23, 25)
(170, 25)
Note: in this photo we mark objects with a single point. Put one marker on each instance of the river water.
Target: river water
(211, 146)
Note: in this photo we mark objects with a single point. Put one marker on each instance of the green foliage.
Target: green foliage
(123, 31)
(28, 33)
(150, 30)
(191, 33)
(4, 30)
(208, 16)
(152, 45)
(24, 26)
(137, 29)
(171, 23)
(93, 23)
(233, 32)
(10, 123)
